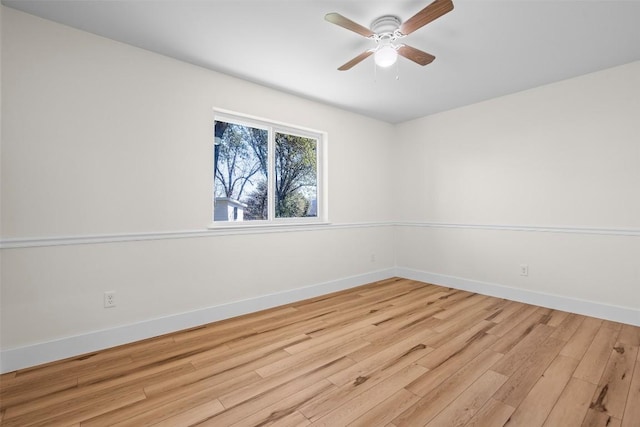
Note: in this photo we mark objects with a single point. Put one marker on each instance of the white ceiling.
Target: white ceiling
(483, 49)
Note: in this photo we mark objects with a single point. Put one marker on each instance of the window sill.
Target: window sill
(244, 227)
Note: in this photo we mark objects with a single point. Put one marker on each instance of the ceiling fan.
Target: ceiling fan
(386, 30)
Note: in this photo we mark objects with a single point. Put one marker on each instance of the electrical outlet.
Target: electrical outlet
(373, 257)
(524, 270)
(109, 299)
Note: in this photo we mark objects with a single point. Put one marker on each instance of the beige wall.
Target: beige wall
(561, 162)
(101, 138)
(107, 138)
(565, 154)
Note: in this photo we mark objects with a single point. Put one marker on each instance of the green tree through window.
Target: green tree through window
(296, 178)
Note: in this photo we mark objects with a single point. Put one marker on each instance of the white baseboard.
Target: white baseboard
(615, 313)
(37, 354)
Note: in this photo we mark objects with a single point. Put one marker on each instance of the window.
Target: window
(266, 173)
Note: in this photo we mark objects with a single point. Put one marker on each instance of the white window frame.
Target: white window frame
(272, 128)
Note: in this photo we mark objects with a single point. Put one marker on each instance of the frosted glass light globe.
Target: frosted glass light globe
(386, 56)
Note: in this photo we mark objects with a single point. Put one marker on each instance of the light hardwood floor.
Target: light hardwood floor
(392, 353)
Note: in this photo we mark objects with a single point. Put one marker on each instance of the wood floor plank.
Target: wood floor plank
(456, 345)
(392, 353)
(20, 394)
(412, 307)
(599, 419)
(517, 332)
(75, 412)
(568, 327)
(594, 361)
(285, 407)
(520, 353)
(465, 406)
(234, 357)
(582, 338)
(76, 366)
(360, 379)
(521, 381)
(334, 349)
(329, 302)
(366, 401)
(294, 326)
(556, 317)
(347, 332)
(514, 320)
(537, 405)
(51, 375)
(572, 405)
(611, 395)
(401, 295)
(175, 354)
(295, 419)
(436, 400)
(347, 317)
(75, 396)
(494, 413)
(145, 376)
(304, 327)
(438, 374)
(249, 322)
(197, 402)
(629, 335)
(614, 326)
(510, 308)
(154, 407)
(463, 306)
(215, 375)
(192, 415)
(632, 408)
(239, 407)
(453, 297)
(469, 317)
(406, 351)
(391, 340)
(385, 411)
(397, 329)
(285, 380)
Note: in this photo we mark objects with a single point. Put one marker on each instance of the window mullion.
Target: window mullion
(271, 176)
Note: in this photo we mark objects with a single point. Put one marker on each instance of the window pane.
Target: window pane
(296, 177)
(240, 183)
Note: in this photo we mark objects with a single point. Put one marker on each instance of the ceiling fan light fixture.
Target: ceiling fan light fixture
(388, 29)
(386, 56)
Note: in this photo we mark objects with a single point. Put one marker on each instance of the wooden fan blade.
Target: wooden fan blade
(416, 55)
(430, 13)
(336, 18)
(364, 55)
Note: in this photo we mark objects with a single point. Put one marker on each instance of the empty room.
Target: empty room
(292, 213)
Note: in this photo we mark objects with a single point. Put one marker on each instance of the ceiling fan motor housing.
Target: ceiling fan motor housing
(387, 24)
